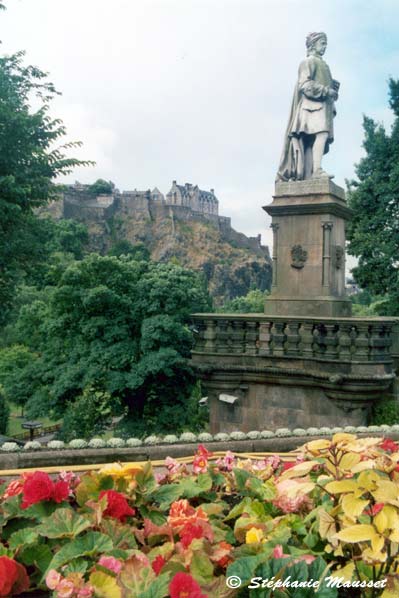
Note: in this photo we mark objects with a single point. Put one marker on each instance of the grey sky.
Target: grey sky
(199, 90)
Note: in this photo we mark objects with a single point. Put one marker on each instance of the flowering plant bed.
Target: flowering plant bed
(328, 521)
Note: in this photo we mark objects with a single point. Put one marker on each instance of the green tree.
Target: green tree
(374, 197)
(30, 159)
(252, 302)
(13, 360)
(123, 247)
(102, 187)
(119, 326)
(4, 414)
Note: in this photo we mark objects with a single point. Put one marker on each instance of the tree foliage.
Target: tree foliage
(31, 157)
(102, 187)
(119, 326)
(252, 302)
(374, 197)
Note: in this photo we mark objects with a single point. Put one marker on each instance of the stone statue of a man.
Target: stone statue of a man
(310, 126)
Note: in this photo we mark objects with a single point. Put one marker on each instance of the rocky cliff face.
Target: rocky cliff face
(231, 262)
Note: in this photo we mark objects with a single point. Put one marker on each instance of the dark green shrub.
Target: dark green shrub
(385, 412)
(4, 414)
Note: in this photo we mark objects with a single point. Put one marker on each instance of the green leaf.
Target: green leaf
(153, 515)
(201, 568)
(245, 567)
(159, 588)
(241, 477)
(76, 566)
(63, 523)
(121, 534)
(22, 537)
(38, 555)
(89, 545)
(165, 495)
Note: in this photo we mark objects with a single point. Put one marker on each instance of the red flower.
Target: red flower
(37, 487)
(117, 505)
(375, 509)
(13, 577)
(190, 532)
(60, 491)
(184, 586)
(288, 465)
(181, 512)
(203, 451)
(389, 445)
(158, 563)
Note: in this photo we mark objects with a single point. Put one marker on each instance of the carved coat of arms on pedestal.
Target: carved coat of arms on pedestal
(298, 257)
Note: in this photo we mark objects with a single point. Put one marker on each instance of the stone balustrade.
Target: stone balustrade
(329, 339)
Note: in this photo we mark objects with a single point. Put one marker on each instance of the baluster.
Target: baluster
(222, 344)
(278, 337)
(379, 342)
(331, 341)
(293, 338)
(251, 337)
(199, 337)
(306, 334)
(210, 335)
(345, 341)
(362, 342)
(265, 337)
(237, 336)
(319, 334)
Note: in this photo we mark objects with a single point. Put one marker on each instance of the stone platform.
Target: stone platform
(308, 223)
(266, 372)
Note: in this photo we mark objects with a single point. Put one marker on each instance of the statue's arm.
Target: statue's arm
(308, 86)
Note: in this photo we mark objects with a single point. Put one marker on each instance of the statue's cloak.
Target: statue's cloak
(312, 111)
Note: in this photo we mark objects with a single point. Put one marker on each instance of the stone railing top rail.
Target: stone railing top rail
(261, 317)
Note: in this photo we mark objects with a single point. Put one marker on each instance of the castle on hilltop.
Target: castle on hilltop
(193, 197)
(187, 196)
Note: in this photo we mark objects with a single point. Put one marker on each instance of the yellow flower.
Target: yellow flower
(254, 535)
(117, 470)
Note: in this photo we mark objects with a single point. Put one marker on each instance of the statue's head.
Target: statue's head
(316, 43)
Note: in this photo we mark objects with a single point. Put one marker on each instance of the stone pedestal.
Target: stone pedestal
(308, 222)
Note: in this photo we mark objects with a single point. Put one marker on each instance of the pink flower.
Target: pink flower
(109, 562)
(273, 461)
(53, 578)
(291, 498)
(200, 464)
(86, 592)
(278, 553)
(172, 465)
(65, 589)
(227, 462)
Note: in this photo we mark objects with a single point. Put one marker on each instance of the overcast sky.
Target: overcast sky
(199, 90)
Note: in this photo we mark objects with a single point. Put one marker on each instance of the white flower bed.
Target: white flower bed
(134, 442)
(10, 447)
(32, 445)
(56, 445)
(78, 443)
(116, 443)
(188, 437)
(97, 443)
